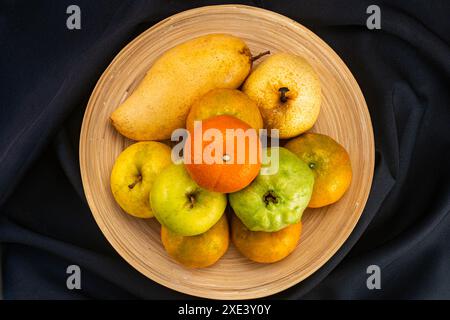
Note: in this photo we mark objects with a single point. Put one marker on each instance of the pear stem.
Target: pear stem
(283, 91)
(262, 54)
(138, 179)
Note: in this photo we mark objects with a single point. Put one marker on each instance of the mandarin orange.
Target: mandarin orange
(265, 247)
(223, 154)
(198, 251)
(330, 163)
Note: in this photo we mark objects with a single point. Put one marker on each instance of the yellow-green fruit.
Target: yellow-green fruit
(133, 174)
(198, 251)
(161, 102)
(287, 91)
(229, 102)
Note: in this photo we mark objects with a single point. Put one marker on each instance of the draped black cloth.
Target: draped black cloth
(48, 73)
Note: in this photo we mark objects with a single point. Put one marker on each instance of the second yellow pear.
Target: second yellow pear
(287, 91)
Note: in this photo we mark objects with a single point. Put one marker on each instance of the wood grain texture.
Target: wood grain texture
(344, 116)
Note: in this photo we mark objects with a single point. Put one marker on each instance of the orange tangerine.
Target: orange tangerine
(198, 251)
(223, 155)
(265, 247)
(330, 163)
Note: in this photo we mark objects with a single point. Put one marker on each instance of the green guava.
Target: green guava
(274, 201)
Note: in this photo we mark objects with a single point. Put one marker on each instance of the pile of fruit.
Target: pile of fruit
(208, 83)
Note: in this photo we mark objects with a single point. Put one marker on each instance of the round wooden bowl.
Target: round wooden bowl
(344, 116)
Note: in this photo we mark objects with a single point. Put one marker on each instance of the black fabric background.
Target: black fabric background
(48, 73)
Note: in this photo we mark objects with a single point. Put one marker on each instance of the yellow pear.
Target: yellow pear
(133, 174)
(287, 91)
(229, 102)
(161, 102)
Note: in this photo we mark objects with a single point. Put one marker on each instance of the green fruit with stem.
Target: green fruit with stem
(181, 205)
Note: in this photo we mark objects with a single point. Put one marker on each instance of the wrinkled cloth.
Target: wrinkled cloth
(48, 73)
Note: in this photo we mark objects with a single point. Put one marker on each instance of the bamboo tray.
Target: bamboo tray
(344, 116)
